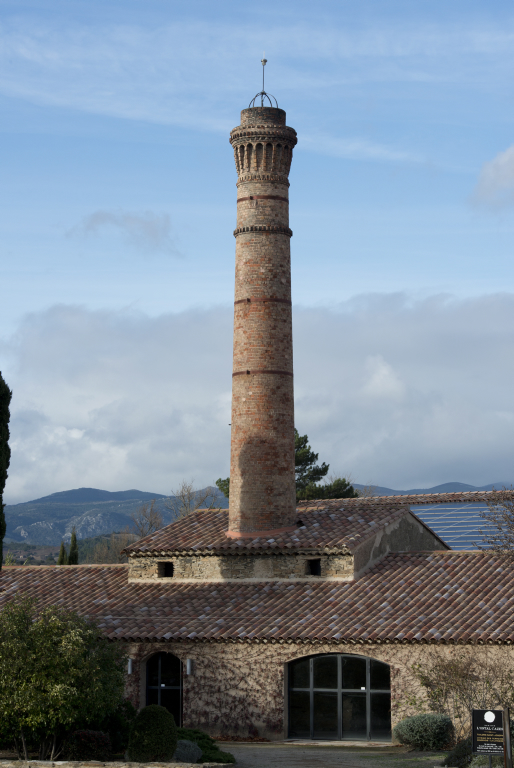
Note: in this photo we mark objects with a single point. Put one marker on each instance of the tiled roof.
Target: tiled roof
(466, 497)
(409, 499)
(330, 528)
(451, 597)
(331, 525)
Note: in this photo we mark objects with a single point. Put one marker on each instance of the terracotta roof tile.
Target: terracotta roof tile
(331, 525)
(408, 597)
(204, 531)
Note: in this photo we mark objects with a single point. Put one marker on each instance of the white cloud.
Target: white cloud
(381, 380)
(173, 73)
(402, 393)
(144, 231)
(495, 187)
(357, 149)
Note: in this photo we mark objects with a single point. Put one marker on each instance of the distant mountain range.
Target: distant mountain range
(444, 488)
(92, 511)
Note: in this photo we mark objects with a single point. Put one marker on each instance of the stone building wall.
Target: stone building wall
(240, 688)
(246, 567)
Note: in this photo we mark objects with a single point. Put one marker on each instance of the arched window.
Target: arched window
(258, 156)
(164, 683)
(339, 696)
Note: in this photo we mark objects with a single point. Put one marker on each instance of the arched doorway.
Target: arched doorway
(164, 683)
(339, 696)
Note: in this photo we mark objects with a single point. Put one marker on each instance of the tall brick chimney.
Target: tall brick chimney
(262, 472)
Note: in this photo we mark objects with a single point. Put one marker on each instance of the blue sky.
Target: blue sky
(117, 205)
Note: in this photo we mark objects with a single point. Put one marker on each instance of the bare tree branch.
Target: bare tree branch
(109, 548)
(458, 680)
(498, 532)
(186, 498)
(147, 519)
(367, 492)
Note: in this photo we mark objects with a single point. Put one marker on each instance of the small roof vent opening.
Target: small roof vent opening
(300, 524)
(166, 570)
(313, 567)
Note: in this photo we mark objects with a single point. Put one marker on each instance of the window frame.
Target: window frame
(159, 687)
(339, 691)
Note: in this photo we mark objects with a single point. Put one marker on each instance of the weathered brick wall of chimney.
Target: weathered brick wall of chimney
(262, 480)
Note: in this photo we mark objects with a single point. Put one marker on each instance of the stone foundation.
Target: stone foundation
(95, 764)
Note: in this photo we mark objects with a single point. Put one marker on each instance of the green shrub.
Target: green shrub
(117, 725)
(211, 753)
(153, 737)
(460, 756)
(88, 745)
(430, 731)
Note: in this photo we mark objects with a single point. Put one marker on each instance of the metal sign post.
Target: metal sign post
(488, 734)
(507, 746)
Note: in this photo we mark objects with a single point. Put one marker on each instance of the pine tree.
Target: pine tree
(5, 453)
(339, 488)
(73, 554)
(224, 485)
(63, 556)
(307, 474)
(306, 470)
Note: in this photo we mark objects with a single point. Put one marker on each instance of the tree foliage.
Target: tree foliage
(73, 554)
(57, 672)
(63, 555)
(307, 472)
(459, 680)
(224, 485)
(337, 488)
(110, 549)
(5, 453)
(153, 737)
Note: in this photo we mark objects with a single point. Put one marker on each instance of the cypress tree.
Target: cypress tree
(5, 453)
(63, 557)
(73, 554)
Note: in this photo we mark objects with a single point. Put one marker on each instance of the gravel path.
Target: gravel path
(280, 755)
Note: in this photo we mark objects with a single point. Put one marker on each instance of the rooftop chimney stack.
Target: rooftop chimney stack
(262, 470)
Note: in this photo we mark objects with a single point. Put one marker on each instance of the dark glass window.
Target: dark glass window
(380, 716)
(339, 696)
(324, 672)
(354, 673)
(354, 716)
(164, 683)
(324, 724)
(299, 674)
(380, 676)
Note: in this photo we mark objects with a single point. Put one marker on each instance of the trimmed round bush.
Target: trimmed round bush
(88, 745)
(153, 737)
(430, 731)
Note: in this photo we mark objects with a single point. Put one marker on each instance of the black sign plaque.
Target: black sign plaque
(487, 731)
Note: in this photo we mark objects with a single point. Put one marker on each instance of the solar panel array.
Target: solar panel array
(456, 524)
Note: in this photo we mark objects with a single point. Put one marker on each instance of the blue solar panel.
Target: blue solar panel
(456, 524)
